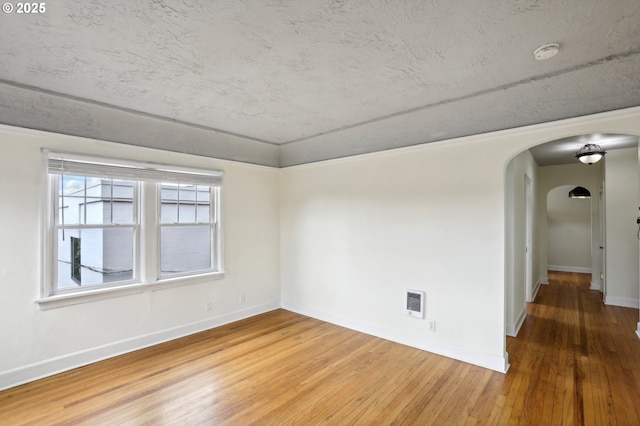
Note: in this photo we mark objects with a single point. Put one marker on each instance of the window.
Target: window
(185, 216)
(116, 223)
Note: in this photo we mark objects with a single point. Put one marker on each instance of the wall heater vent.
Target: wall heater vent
(414, 303)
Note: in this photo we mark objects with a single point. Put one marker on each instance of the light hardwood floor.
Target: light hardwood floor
(575, 361)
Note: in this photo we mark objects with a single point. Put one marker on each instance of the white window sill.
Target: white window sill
(68, 299)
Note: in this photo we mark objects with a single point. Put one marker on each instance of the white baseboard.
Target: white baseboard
(595, 285)
(536, 288)
(461, 353)
(622, 302)
(514, 329)
(563, 268)
(49, 367)
(638, 330)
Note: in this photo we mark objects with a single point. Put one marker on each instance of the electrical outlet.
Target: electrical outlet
(432, 325)
(242, 298)
(208, 305)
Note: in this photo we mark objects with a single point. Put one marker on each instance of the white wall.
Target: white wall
(569, 230)
(622, 199)
(37, 342)
(356, 232)
(515, 254)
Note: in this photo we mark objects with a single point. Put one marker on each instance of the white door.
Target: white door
(603, 274)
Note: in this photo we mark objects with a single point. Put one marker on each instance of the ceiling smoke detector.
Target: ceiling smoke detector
(546, 51)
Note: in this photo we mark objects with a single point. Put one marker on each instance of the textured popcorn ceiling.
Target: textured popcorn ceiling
(290, 82)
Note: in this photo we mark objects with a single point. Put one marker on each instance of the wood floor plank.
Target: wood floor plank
(575, 361)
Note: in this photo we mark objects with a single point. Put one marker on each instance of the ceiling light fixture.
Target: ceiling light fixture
(546, 51)
(579, 192)
(590, 153)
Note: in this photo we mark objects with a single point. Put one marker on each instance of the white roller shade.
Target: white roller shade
(70, 164)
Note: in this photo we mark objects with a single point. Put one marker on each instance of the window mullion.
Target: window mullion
(149, 217)
(84, 216)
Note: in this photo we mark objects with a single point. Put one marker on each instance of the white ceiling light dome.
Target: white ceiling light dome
(590, 153)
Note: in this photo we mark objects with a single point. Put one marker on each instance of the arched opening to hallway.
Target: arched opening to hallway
(527, 253)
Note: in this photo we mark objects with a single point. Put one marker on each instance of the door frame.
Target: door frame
(528, 251)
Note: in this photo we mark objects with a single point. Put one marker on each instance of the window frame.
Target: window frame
(146, 250)
(54, 182)
(213, 223)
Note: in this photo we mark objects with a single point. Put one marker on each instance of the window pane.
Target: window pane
(94, 256)
(185, 249)
(168, 212)
(187, 212)
(120, 212)
(94, 201)
(180, 203)
(122, 189)
(93, 211)
(72, 185)
(168, 203)
(71, 199)
(204, 203)
(204, 214)
(187, 193)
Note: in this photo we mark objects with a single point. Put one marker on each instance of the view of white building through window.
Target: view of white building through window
(97, 226)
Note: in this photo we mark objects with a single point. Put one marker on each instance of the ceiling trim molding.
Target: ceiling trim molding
(29, 132)
(534, 131)
(127, 110)
(60, 115)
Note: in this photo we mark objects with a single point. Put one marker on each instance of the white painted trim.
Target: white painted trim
(536, 288)
(591, 119)
(460, 353)
(624, 302)
(513, 330)
(85, 139)
(49, 367)
(61, 300)
(595, 285)
(638, 330)
(563, 268)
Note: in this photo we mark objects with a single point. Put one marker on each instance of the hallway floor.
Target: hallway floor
(577, 359)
